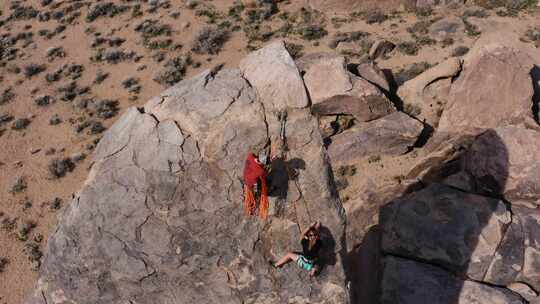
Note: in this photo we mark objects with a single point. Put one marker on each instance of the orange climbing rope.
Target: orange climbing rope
(254, 172)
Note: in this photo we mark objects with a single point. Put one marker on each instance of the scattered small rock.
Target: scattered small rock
(20, 124)
(460, 51)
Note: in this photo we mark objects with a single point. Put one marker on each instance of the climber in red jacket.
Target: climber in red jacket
(255, 175)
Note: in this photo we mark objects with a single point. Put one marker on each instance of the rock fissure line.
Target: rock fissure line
(505, 229)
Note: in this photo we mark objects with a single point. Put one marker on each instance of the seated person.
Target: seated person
(311, 245)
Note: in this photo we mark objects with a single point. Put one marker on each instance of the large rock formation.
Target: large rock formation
(426, 95)
(406, 281)
(160, 220)
(465, 229)
(494, 89)
(334, 90)
(512, 169)
(474, 239)
(393, 134)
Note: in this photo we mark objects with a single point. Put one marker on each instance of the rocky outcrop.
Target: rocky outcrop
(334, 90)
(393, 134)
(327, 78)
(465, 229)
(493, 90)
(362, 108)
(426, 95)
(408, 282)
(272, 71)
(516, 259)
(380, 49)
(510, 169)
(160, 220)
(372, 73)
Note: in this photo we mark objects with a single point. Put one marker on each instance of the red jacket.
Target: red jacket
(253, 171)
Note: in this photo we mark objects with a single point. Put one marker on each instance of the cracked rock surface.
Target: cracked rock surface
(160, 219)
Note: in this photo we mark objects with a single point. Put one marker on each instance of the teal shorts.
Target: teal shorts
(304, 263)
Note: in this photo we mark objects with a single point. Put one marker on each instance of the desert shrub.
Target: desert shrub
(408, 48)
(374, 159)
(423, 12)
(210, 40)
(105, 108)
(6, 96)
(100, 77)
(313, 32)
(295, 50)
(152, 28)
(478, 13)
(419, 28)
(347, 37)
(55, 120)
(113, 56)
(5, 118)
(55, 204)
(424, 40)
(446, 42)
(513, 7)
(23, 12)
(105, 9)
(8, 224)
(173, 71)
(19, 185)
(347, 170)
(25, 229)
(338, 21)
(532, 35)
(33, 69)
(55, 52)
(43, 100)
(412, 109)
(236, 9)
(33, 254)
(60, 167)
(375, 16)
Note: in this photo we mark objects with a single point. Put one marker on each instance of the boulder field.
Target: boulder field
(160, 219)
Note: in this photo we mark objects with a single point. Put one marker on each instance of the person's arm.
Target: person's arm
(313, 225)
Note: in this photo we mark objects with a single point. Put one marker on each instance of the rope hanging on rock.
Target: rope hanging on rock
(253, 173)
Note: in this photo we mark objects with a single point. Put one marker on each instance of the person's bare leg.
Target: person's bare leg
(286, 259)
(314, 271)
